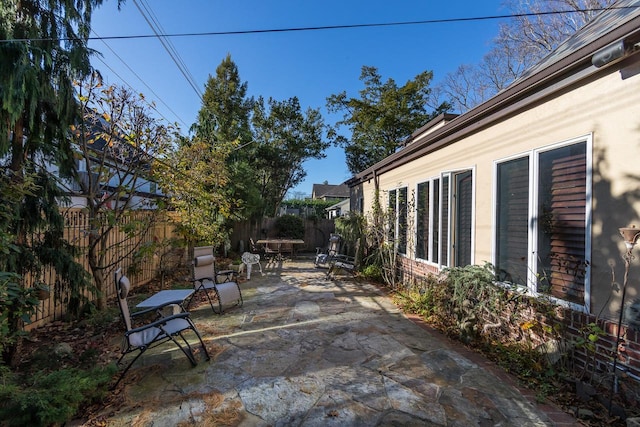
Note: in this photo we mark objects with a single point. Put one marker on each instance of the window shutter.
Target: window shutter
(567, 227)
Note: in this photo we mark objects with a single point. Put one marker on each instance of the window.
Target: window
(428, 220)
(423, 220)
(391, 218)
(444, 219)
(443, 244)
(512, 220)
(542, 202)
(398, 218)
(462, 218)
(402, 220)
(435, 230)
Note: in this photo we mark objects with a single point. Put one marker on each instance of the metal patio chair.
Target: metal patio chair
(148, 335)
(205, 279)
(324, 257)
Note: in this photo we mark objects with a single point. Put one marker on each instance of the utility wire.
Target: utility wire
(141, 80)
(330, 27)
(171, 46)
(157, 29)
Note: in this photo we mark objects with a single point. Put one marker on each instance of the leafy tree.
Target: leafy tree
(383, 117)
(537, 28)
(117, 141)
(195, 177)
(290, 226)
(285, 138)
(317, 206)
(43, 49)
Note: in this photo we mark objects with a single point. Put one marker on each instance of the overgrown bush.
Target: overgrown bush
(290, 226)
(372, 272)
(48, 398)
(17, 304)
(466, 303)
(352, 228)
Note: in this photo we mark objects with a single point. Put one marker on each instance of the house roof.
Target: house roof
(567, 64)
(340, 204)
(329, 191)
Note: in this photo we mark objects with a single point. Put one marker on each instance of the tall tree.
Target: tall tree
(225, 118)
(43, 48)
(536, 29)
(224, 115)
(285, 137)
(383, 117)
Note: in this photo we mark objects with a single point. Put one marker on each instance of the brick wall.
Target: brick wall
(577, 326)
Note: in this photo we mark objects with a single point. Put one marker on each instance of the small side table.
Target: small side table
(162, 298)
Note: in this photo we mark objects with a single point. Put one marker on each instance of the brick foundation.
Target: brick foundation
(576, 327)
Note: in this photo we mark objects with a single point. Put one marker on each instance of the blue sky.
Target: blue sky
(311, 65)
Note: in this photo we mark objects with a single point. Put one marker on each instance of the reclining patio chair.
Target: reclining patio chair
(342, 262)
(149, 335)
(220, 275)
(333, 248)
(205, 279)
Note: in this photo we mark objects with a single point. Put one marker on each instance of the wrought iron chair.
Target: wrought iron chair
(333, 248)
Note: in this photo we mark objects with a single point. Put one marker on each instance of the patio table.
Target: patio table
(275, 246)
(162, 298)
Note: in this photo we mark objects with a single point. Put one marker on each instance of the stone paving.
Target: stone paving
(306, 351)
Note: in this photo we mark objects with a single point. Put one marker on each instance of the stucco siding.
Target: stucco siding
(605, 110)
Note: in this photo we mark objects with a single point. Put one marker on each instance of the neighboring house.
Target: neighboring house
(339, 209)
(330, 192)
(120, 161)
(536, 181)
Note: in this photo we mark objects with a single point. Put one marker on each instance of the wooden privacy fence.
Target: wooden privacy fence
(141, 271)
(316, 233)
(76, 232)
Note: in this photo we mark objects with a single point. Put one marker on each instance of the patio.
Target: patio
(311, 352)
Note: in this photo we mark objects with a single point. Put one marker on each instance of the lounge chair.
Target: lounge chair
(343, 262)
(220, 275)
(148, 335)
(205, 279)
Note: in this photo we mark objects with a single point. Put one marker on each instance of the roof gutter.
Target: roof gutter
(566, 71)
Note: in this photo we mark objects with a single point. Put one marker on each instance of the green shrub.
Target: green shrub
(50, 398)
(290, 226)
(372, 272)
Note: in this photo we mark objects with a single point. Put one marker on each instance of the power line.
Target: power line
(149, 16)
(330, 27)
(141, 80)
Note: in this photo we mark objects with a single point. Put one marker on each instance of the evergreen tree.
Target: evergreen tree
(383, 117)
(43, 48)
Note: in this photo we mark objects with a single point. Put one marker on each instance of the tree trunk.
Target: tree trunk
(97, 270)
(11, 352)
